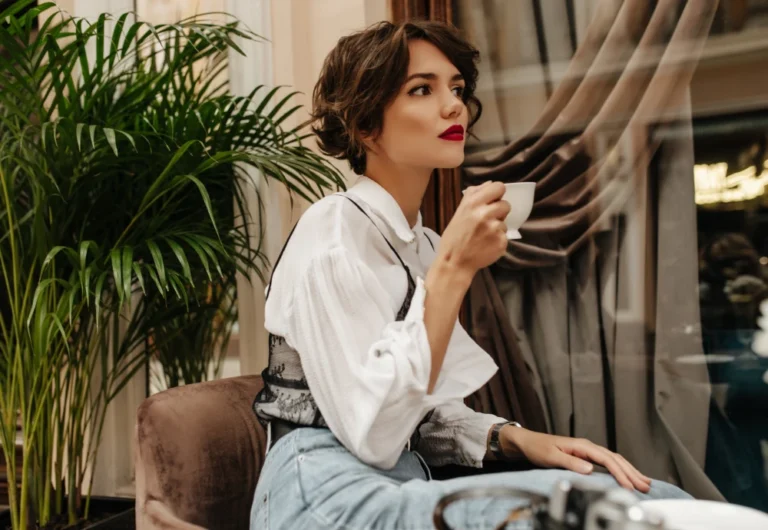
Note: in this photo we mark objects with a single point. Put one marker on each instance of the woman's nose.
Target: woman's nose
(452, 107)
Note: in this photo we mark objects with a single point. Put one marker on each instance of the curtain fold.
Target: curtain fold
(590, 314)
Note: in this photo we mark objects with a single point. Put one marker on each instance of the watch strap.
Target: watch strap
(494, 444)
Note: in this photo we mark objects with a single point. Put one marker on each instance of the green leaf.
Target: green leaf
(71, 302)
(177, 286)
(60, 327)
(79, 135)
(182, 257)
(131, 36)
(116, 34)
(87, 284)
(117, 271)
(52, 255)
(126, 272)
(208, 246)
(85, 271)
(139, 277)
(55, 133)
(267, 99)
(31, 15)
(98, 295)
(130, 139)
(281, 104)
(99, 66)
(84, 246)
(150, 196)
(14, 8)
(157, 257)
(206, 200)
(110, 135)
(200, 254)
(44, 133)
(161, 288)
(41, 291)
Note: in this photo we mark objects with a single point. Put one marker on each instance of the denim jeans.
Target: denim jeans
(309, 480)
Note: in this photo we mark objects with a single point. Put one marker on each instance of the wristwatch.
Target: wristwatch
(494, 444)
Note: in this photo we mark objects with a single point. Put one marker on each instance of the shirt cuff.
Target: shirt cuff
(473, 437)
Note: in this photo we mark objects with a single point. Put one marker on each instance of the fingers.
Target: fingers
(640, 481)
(472, 189)
(573, 463)
(499, 226)
(645, 478)
(624, 473)
(604, 459)
(589, 451)
(500, 230)
(499, 209)
(486, 193)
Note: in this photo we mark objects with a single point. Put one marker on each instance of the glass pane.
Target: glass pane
(636, 292)
(730, 176)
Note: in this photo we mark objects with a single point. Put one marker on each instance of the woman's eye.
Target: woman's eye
(424, 90)
(421, 90)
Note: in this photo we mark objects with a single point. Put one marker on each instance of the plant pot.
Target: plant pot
(107, 513)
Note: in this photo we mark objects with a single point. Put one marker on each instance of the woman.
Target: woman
(368, 365)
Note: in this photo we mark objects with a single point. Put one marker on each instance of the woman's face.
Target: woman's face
(428, 104)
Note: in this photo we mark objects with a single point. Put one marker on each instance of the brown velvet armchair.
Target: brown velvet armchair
(199, 450)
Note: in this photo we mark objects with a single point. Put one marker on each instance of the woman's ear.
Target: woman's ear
(369, 139)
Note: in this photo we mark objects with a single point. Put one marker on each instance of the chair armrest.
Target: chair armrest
(159, 517)
(199, 451)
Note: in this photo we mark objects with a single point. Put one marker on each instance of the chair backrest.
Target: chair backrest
(199, 451)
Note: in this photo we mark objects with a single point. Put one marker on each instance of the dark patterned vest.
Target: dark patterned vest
(286, 394)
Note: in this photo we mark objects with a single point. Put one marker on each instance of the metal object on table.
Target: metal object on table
(571, 506)
(536, 508)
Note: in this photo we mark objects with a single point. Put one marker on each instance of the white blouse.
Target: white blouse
(334, 298)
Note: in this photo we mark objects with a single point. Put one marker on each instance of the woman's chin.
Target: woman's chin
(450, 161)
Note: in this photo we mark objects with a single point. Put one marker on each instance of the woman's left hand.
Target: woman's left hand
(575, 454)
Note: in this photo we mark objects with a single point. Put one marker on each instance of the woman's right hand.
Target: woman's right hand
(477, 236)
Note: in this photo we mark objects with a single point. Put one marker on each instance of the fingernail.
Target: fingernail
(586, 468)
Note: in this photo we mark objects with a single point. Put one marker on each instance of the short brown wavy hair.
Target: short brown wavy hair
(366, 70)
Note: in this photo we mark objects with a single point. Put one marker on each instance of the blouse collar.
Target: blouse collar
(386, 207)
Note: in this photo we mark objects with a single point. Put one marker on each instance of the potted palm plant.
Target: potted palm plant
(188, 343)
(123, 164)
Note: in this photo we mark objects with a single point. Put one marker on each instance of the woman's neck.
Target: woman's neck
(407, 187)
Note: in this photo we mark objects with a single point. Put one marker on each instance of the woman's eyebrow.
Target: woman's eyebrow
(431, 76)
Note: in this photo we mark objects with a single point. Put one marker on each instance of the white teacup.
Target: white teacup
(519, 195)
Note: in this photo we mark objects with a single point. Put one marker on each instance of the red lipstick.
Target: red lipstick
(454, 133)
